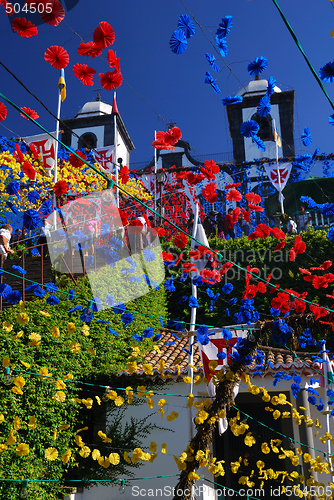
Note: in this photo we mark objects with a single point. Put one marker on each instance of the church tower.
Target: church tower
(94, 124)
(281, 113)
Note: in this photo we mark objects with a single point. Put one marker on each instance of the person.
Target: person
(5, 235)
(190, 221)
(304, 219)
(90, 230)
(291, 226)
(220, 225)
(228, 224)
(209, 224)
(244, 226)
(43, 235)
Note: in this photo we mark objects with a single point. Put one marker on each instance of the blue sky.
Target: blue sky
(159, 85)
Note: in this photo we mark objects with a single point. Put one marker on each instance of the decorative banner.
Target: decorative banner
(104, 156)
(284, 171)
(45, 146)
(219, 346)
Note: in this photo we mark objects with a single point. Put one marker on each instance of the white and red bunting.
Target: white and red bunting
(283, 177)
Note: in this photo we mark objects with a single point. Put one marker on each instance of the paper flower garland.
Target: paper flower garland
(24, 28)
(3, 112)
(257, 66)
(211, 59)
(113, 60)
(57, 57)
(225, 27)
(263, 108)
(56, 15)
(271, 86)
(84, 73)
(306, 137)
(89, 49)
(178, 42)
(249, 128)
(231, 100)
(185, 23)
(111, 80)
(326, 73)
(209, 79)
(104, 35)
(29, 112)
(221, 46)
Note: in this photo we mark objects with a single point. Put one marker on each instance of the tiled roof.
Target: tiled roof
(176, 350)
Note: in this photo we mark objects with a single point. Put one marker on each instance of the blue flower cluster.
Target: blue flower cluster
(247, 313)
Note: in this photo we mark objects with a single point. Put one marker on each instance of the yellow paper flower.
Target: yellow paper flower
(132, 367)
(129, 393)
(153, 447)
(51, 454)
(2, 417)
(55, 332)
(3, 447)
(17, 423)
(85, 330)
(11, 438)
(126, 457)
(114, 458)
(22, 449)
(19, 381)
(75, 348)
(96, 454)
(164, 448)
(91, 351)
(265, 448)
(60, 396)
(60, 385)
(22, 318)
(84, 451)
(104, 437)
(119, 401)
(44, 372)
(71, 328)
(66, 456)
(249, 439)
(26, 365)
(45, 314)
(35, 339)
(104, 462)
(141, 391)
(32, 423)
(7, 326)
(192, 476)
(18, 335)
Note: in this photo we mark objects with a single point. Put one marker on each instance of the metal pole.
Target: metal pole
(115, 156)
(55, 176)
(155, 177)
(278, 173)
(326, 410)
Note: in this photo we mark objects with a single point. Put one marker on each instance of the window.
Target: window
(266, 127)
(87, 140)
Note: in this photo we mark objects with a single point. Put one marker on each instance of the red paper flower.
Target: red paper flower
(103, 35)
(84, 73)
(181, 175)
(235, 214)
(255, 208)
(19, 153)
(173, 135)
(124, 218)
(180, 240)
(233, 195)
(57, 57)
(226, 267)
(194, 178)
(60, 188)
(89, 49)
(253, 198)
(28, 170)
(124, 174)
(160, 231)
(34, 151)
(235, 185)
(24, 28)
(246, 215)
(212, 166)
(135, 226)
(111, 80)
(277, 233)
(323, 266)
(280, 245)
(74, 160)
(299, 245)
(166, 256)
(263, 230)
(56, 16)
(3, 112)
(210, 193)
(318, 311)
(29, 112)
(113, 60)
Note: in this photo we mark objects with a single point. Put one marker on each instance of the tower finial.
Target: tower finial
(98, 97)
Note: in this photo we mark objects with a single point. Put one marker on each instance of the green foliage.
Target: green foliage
(93, 356)
(258, 254)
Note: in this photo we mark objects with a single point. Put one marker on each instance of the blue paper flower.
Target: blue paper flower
(227, 101)
(52, 300)
(71, 294)
(87, 315)
(127, 318)
(263, 108)
(46, 208)
(306, 137)
(176, 324)
(271, 86)
(169, 285)
(157, 337)
(110, 299)
(19, 269)
(197, 280)
(227, 288)
(33, 196)
(183, 299)
(257, 66)
(259, 142)
(185, 24)
(51, 287)
(209, 79)
(13, 297)
(183, 277)
(221, 355)
(39, 292)
(31, 219)
(225, 26)
(326, 73)
(149, 256)
(211, 59)
(97, 304)
(178, 42)
(119, 309)
(5, 290)
(148, 333)
(249, 128)
(330, 234)
(193, 302)
(221, 46)
(226, 334)
(137, 337)
(13, 188)
(331, 119)
(112, 332)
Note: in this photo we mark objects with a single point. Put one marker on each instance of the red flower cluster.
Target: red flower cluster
(167, 140)
(60, 188)
(124, 174)
(74, 160)
(298, 248)
(233, 195)
(28, 170)
(210, 193)
(210, 169)
(180, 240)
